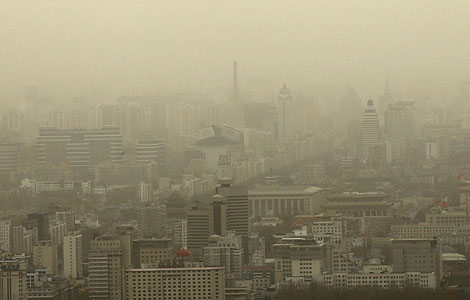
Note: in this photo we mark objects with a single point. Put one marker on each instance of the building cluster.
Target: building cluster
(170, 198)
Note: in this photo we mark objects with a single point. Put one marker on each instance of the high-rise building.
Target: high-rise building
(79, 148)
(417, 255)
(17, 240)
(152, 221)
(13, 279)
(66, 217)
(175, 283)
(45, 255)
(370, 129)
(225, 251)
(57, 231)
(10, 156)
(198, 230)
(180, 233)
(72, 254)
(300, 257)
(151, 252)
(284, 116)
(236, 214)
(145, 192)
(41, 222)
(5, 235)
(105, 268)
(13, 123)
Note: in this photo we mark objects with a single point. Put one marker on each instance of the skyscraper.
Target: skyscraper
(152, 220)
(370, 129)
(73, 256)
(105, 265)
(284, 115)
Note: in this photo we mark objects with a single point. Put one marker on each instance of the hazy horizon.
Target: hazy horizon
(103, 49)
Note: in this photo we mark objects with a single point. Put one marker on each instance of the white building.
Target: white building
(13, 279)
(5, 235)
(145, 192)
(180, 233)
(284, 116)
(334, 229)
(225, 251)
(381, 280)
(180, 283)
(370, 129)
(73, 256)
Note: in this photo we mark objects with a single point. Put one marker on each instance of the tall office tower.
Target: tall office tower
(133, 121)
(175, 206)
(284, 116)
(235, 83)
(45, 256)
(78, 148)
(5, 235)
(57, 231)
(236, 214)
(175, 283)
(126, 234)
(417, 255)
(66, 217)
(10, 156)
(13, 279)
(256, 249)
(349, 107)
(72, 254)
(56, 119)
(149, 253)
(17, 237)
(41, 222)
(198, 230)
(236, 199)
(180, 233)
(13, 124)
(400, 120)
(225, 251)
(105, 267)
(145, 192)
(109, 115)
(217, 215)
(152, 220)
(386, 98)
(370, 129)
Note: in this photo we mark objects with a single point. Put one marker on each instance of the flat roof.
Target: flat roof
(284, 190)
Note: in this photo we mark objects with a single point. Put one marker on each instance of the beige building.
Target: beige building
(73, 256)
(5, 235)
(105, 268)
(421, 231)
(417, 255)
(179, 283)
(456, 218)
(12, 279)
(284, 200)
(45, 256)
(145, 252)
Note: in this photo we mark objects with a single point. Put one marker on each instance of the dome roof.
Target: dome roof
(183, 253)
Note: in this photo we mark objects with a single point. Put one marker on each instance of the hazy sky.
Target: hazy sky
(122, 47)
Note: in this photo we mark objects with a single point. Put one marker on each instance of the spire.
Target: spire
(235, 82)
(386, 80)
